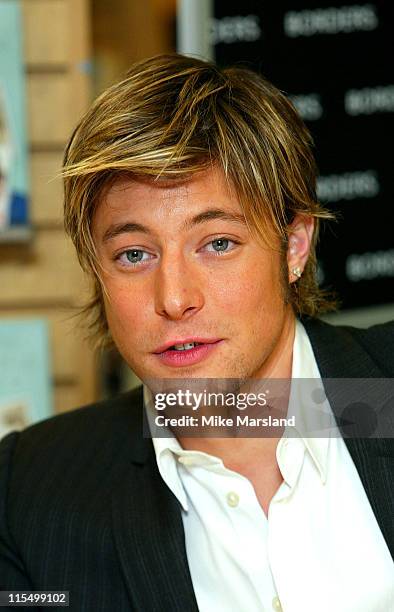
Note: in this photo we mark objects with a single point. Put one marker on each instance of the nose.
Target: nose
(178, 290)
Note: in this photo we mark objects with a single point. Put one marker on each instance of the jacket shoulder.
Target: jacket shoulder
(378, 336)
(346, 351)
(378, 342)
(75, 437)
(91, 416)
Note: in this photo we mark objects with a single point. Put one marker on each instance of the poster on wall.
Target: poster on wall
(14, 220)
(334, 61)
(25, 377)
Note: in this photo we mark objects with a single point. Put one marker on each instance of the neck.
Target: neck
(241, 454)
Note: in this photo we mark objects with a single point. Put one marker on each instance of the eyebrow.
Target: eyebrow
(208, 215)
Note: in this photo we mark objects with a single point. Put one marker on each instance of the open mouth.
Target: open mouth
(187, 346)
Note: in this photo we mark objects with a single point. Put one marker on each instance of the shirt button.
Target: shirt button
(232, 499)
(276, 605)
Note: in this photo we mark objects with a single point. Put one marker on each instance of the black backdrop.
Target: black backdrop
(336, 63)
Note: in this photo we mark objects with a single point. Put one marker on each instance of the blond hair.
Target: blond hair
(173, 116)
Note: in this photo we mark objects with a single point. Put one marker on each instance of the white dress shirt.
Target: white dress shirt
(319, 549)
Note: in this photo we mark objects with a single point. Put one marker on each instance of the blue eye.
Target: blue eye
(220, 244)
(134, 256)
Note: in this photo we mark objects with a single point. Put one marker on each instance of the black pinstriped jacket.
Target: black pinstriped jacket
(84, 509)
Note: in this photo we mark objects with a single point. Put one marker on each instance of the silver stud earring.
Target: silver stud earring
(297, 272)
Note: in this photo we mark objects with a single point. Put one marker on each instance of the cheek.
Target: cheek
(249, 291)
(124, 309)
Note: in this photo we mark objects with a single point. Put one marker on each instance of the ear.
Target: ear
(299, 244)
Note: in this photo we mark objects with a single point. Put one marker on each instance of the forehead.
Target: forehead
(166, 199)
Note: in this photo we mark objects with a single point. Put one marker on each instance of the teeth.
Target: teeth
(185, 347)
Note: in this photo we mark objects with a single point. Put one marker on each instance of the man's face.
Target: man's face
(180, 265)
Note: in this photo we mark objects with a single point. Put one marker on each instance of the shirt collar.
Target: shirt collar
(313, 415)
(166, 450)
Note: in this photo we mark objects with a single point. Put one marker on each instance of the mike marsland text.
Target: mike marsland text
(240, 420)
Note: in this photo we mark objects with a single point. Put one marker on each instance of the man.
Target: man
(190, 198)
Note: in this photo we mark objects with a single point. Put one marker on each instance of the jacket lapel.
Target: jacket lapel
(149, 535)
(339, 355)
